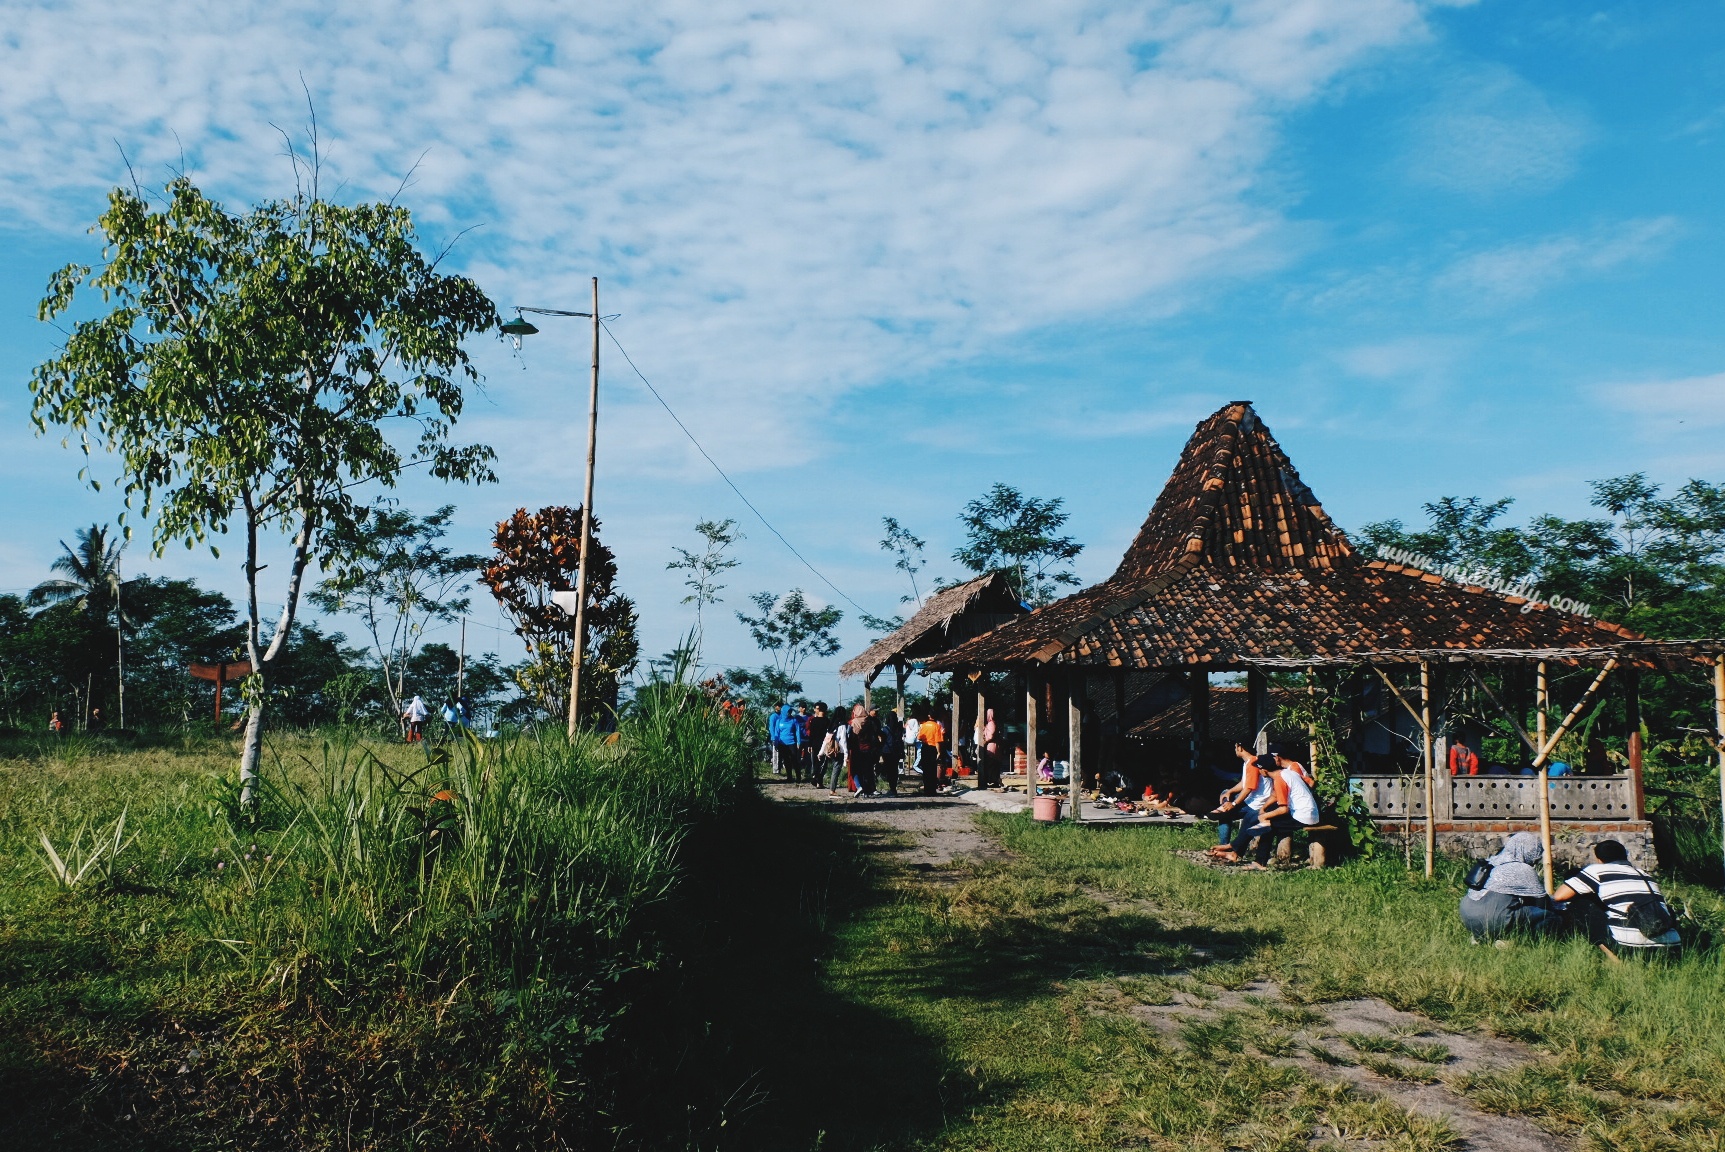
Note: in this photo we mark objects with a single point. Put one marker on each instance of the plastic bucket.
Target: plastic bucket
(1047, 809)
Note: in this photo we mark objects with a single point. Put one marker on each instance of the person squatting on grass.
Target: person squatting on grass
(1512, 897)
(1618, 905)
(1291, 806)
(1614, 903)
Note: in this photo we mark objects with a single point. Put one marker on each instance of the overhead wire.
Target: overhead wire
(728, 481)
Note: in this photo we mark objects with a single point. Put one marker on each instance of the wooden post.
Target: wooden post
(1257, 707)
(952, 734)
(981, 720)
(1632, 713)
(1031, 752)
(221, 679)
(586, 529)
(1431, 768)
(1719, 729)
(1312, 723)
(1199, 681)
(898, 672)
(1542, 701)
(1076, 700)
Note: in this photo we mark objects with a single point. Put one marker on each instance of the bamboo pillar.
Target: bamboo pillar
(1257, 705)
(1032, 708)
(1719, 728)
(1632, 713)
(1542, 702)
(1076, 701)
(952, 733)
(1312, 723)
(1431, 768)
(898, 672)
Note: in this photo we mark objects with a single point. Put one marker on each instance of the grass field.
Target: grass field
(624, 950)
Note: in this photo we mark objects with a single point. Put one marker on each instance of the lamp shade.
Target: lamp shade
(518, 328)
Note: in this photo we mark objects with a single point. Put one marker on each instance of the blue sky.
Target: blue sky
(881, 259)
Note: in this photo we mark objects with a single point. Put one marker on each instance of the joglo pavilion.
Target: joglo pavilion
(1239, 575)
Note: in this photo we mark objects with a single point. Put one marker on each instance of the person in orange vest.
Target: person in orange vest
(1463, 761)
(930, 736)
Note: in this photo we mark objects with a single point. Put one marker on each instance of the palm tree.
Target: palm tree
(91, 575)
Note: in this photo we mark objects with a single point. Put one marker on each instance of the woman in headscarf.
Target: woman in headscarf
(1513, 897)
(864, 746)
(988, 743)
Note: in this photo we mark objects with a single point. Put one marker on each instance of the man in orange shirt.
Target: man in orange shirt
(1463, 761)
(930, 737)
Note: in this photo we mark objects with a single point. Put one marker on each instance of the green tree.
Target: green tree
(789, 629)
(705, 567)
(1007, 531)
(392, 570)
(906, 549)
(250, 367)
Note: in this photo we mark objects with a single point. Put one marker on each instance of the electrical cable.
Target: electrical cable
(758, 515)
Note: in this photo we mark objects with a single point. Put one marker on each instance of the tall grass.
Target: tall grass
(480, 913)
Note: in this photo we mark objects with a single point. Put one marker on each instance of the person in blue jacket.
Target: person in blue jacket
(782, 730)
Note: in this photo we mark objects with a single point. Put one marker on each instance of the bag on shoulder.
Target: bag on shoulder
(1478, 875)
(829, 746)
(1650, 915)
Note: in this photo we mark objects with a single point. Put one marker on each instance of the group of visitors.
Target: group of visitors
(455, 714)
(864, 752)
(1273, 799)
(1614, 903)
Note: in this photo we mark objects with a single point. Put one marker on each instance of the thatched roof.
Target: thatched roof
(949, 617)
(1238, 565)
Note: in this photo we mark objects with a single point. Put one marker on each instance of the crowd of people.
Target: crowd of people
(864, 753)
(1612, 902)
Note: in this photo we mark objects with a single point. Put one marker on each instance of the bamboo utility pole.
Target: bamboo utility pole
(461, 665)
(586, 528)
(1719, 728)
(1542, 699)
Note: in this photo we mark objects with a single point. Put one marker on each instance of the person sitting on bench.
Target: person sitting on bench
(1240, 803)
(1510, 894)
(1619, 905)
(1292, 806)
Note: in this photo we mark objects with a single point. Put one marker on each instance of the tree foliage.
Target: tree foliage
(704, 568)
(789, 629)
(536, 554)
(1010, 532)
(250, 367)
(393, 571)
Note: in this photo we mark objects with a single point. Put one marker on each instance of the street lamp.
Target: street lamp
(515, 329)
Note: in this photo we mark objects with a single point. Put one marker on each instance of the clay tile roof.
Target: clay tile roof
(1238, 562)
(946, 618)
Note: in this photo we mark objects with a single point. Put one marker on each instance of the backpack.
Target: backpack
(1478, 875)
(1650, 915)
(829, 746)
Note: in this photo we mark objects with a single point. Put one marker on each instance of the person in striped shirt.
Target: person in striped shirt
(1607, 894)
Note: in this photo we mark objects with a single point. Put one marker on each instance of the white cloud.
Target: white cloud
(778, 194)
(1491, 133)
(1517, 271)
(1670, 407)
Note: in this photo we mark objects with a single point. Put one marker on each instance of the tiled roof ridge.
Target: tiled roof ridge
(1235, 498)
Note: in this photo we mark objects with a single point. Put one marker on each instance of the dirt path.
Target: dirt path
(1365, 1044)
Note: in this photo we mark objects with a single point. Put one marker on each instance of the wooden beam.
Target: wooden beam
(1257, 707)
(1077, 699)
(952, 733)
(1632, 713)
(1543, 752)
(1032, 706)
(1198, 681)
(898, 671)
(1396, 692)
